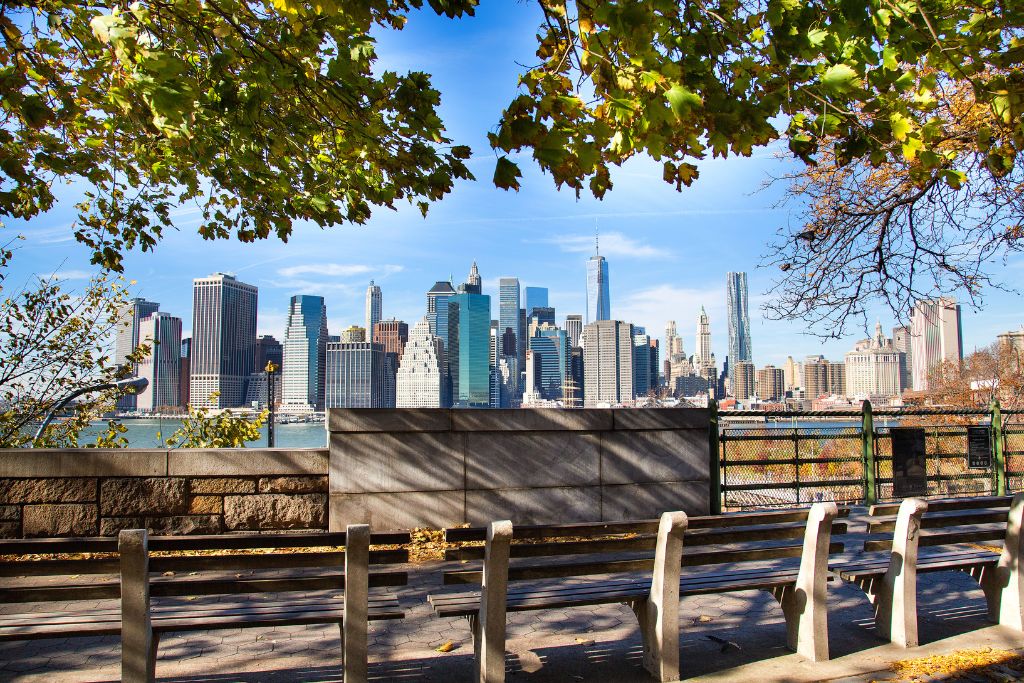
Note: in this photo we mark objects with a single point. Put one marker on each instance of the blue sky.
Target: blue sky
(668, 252)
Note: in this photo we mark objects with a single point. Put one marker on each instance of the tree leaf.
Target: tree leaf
(506, 173)
(840, 78)
(682, 101)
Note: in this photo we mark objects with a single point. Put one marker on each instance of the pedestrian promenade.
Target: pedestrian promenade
(732, 637)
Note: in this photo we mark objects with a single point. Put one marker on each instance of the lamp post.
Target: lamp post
(122, 386)
(271, 369)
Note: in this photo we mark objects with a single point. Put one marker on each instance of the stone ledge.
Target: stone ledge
(82, 462)
(388, 420)
(226, 462)
(627, 419)
(532, 420)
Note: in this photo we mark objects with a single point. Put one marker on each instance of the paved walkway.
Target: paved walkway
(735, 637)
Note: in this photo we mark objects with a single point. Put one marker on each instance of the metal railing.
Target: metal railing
(786, 466)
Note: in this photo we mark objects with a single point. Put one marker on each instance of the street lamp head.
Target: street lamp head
(132, 385)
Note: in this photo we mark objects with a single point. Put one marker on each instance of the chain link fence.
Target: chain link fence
(798, 465)
(765, 467)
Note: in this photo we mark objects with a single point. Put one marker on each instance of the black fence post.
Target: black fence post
(715, 464)
(998, 455)
(867, 440)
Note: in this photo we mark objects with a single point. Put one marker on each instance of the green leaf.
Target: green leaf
(682, 101)
(840, 78)
(900, 126)
(506, 173)
(817, 36)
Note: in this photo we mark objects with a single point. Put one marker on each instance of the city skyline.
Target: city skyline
(669, 250)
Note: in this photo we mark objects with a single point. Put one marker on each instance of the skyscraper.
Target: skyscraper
(739, 319)
(437, 310)
(374, 306)
(536, 297)
(474, 283)
(743, 380)
(607, 363)
(508, 311)
(418, 384)
(186, 371)
(574, 328)
(355, 375)
(223, 340)
(549, 348)
(641, 362)
(268, 349)
(469, 353)
(127, 339)
(305, 348)
(702, 356)
(935, 336)
(598, 299)
(162, 367)
(392, 336)
(901, 342)
(874, 368)
(771, 383)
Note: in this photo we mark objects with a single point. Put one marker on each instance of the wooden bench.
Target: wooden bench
(131, 573)
(734, 552)
(951, 531)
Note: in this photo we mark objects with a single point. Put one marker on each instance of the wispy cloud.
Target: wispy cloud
(653, 306)
(612, 244)
(71, 275)
(339, 270)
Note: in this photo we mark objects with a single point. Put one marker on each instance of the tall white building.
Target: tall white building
(419, 372)
(598, 290)
(792, 373)
(162, 367)
(223, 340)
(607, 363)
(128, 339)
(702, 356)
(874, 368)
(738, 319)
(374, 306)
(305, 355)
(935, 337)
(673, 342)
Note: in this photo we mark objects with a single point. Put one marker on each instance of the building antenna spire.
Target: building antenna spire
(597, 245)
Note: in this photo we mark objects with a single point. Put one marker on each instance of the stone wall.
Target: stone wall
(438, 467)
(90, 492)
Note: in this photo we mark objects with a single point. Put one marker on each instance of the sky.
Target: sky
(668, 251)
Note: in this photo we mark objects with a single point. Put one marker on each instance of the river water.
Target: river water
(147, 433)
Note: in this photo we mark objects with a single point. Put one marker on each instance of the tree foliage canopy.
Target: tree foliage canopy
(269, 112)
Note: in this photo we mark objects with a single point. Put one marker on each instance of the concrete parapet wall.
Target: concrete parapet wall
(90, 491)
(440, 467)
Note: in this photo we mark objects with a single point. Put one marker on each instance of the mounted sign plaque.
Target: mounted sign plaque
(909, 464)
(979, 448)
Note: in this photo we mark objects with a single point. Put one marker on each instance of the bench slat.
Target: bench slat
(943, 518)
(946, 504)
(268, 561)
(929, 539)
(644, 526)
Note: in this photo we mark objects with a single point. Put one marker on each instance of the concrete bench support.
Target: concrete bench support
(894, 595)
(1004, 583)
(356, 612)
(804, 603)
(138, 642)
(489, 625)
(659, 613)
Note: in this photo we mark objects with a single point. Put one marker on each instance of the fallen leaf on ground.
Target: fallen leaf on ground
(447, 646)
(585, 641)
